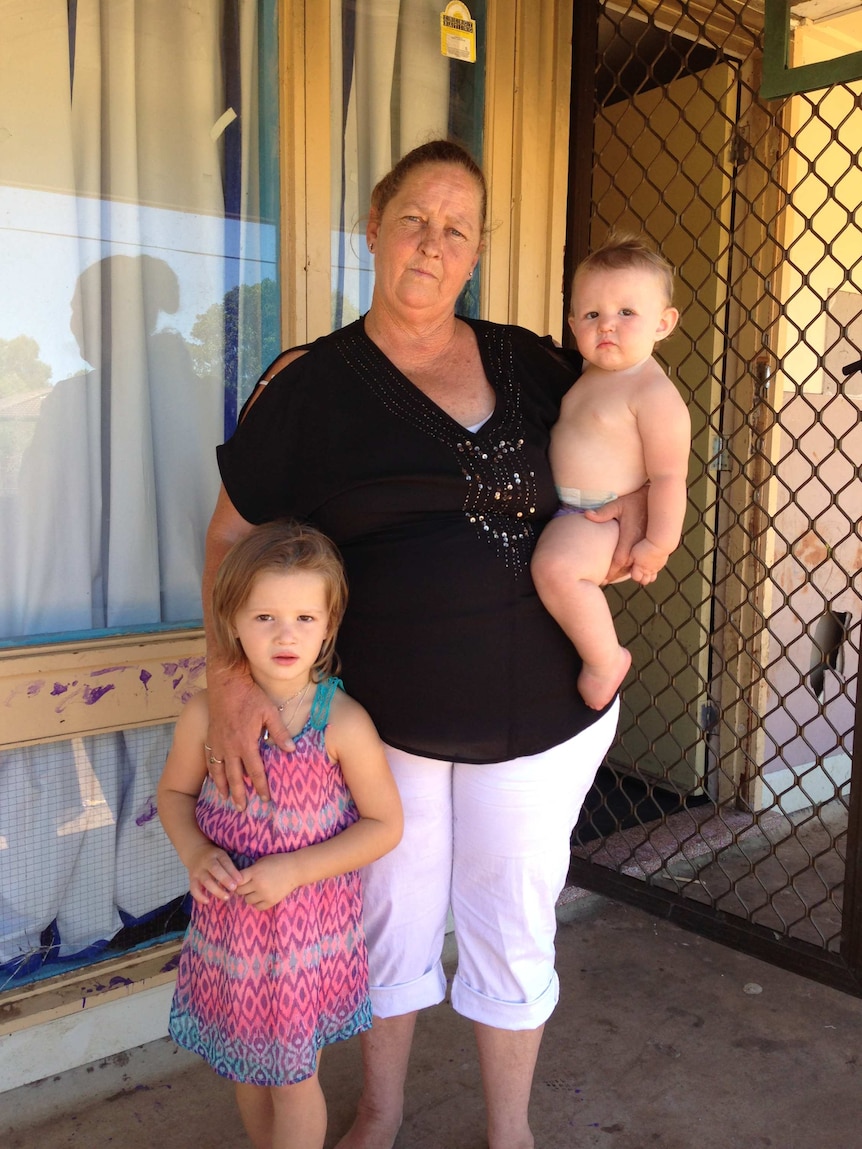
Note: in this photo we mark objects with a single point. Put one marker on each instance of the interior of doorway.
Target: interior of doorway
(608, 69)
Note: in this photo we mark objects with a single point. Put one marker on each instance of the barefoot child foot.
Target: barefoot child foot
(599, 682)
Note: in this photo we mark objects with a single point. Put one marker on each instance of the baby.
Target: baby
(621, 425)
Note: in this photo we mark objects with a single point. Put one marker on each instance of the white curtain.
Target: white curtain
(115, 243)
(392, 82)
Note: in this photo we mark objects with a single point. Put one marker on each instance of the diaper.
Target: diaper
(574, 501)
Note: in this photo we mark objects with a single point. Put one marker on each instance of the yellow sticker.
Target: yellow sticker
(458, 33)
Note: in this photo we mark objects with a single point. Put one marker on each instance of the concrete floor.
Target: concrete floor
(662, 1040)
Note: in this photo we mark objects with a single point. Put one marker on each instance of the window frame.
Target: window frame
(779, 78)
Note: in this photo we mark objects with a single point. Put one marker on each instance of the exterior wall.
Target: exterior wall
(53, 691)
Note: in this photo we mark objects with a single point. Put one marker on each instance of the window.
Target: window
(139, 192)
(810, 44)
(392, 89)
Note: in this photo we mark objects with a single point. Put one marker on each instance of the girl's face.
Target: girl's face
(618, 316)
(426, 241)
(282, 626)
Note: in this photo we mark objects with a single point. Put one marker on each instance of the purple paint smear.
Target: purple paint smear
(35, 687)
(149, 812)
(94, 693)
(60, 688)
(145, 678)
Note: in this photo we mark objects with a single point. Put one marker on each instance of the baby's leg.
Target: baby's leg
(571, 559)
(284, 1116)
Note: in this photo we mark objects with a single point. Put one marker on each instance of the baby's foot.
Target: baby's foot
(599, 682)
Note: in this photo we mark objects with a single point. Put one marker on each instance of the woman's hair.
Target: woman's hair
(434, 152)
(624, 252)
(282, 546)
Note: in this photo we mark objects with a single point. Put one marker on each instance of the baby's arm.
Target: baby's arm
(353, 742)
(665, 429)
(210, 869)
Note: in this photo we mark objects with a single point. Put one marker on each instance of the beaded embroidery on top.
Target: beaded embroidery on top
(500, 488)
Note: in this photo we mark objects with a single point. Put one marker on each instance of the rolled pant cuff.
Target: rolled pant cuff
(505, 1014)
(395, 1000)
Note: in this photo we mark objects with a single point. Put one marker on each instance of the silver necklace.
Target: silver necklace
(291, 697)
(300, 694)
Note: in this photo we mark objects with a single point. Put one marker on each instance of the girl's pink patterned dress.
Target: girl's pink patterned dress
(259, 992)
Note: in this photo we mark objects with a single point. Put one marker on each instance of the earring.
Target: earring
(371, 248)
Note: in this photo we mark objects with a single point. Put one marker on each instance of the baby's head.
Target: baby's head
(622, 303)
(283, 547)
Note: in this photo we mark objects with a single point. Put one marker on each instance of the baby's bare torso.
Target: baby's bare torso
(596, 445)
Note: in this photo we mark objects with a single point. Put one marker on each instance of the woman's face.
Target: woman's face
(426, 241)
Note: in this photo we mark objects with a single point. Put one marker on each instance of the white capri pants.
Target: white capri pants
(493, 842)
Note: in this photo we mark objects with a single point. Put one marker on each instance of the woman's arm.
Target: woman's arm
(351, 740)
(211, 870)
(239, 709)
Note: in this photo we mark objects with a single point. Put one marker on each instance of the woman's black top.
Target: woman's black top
(445, 641)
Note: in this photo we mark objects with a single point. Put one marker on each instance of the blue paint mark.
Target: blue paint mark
(94, 693)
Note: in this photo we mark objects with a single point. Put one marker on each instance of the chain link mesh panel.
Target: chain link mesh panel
(728, 788)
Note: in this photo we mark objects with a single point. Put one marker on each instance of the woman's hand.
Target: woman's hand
(239, 712)
(630, 511)
(212, 872)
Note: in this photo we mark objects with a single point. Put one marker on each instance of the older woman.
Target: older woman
(418, 441)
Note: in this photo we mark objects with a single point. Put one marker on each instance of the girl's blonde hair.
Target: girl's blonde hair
(622, 252)
(286, 546)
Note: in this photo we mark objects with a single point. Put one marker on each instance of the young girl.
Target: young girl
(273, 966)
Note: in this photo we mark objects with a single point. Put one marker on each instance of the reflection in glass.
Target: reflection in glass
(394, 90)
(138, 192)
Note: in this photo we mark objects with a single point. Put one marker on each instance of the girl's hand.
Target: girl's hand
(212, 872)
(268, 881)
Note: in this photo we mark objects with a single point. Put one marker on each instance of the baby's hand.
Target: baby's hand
(647, 561)
(212, 872)
(267, 881)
